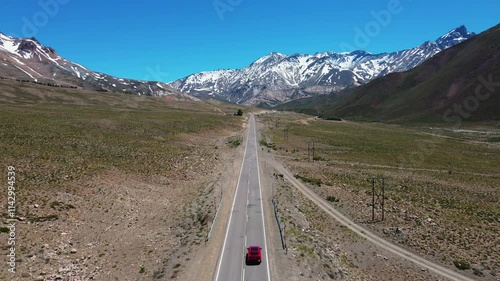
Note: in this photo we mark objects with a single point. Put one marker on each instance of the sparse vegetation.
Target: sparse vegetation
(85, 159)
(278, 175)
(158, 274)
(175, 274)
(319, 158)
(332, 199)
(312, 181)
(44, 218)
(478, 272)
(234, 142)
(270, 145)
(61, 206)
(439, 181)
(461, 264)
(71, 134)
(306, 250)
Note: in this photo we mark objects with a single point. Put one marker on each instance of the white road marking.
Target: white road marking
(232, 209)
(243, 270)
(261, 203)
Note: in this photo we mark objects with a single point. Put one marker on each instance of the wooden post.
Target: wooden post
(313, 151)
(383, 197)
(308, 152)
(373, 199)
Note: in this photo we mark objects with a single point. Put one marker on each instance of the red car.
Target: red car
(254, 255)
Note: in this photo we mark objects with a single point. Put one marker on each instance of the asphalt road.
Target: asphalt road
(246, 222)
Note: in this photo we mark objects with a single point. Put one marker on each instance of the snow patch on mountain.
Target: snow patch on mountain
(26, 58)
(276, 77)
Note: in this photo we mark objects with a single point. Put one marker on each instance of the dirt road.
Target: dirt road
(365, 233)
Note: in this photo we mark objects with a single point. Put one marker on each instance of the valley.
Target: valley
(111, 186)
(440, 191)
(378, 163)
(114, 186)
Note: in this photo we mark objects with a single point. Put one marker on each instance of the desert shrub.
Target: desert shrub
(461, 264)
(234, 142)
(313, 181)
(332, 198)
(268, 144)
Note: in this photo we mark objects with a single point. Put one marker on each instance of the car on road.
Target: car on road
(254, 255)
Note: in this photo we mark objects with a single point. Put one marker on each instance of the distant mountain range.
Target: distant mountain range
(460, 84)
(27, 59)
(269, 81)
(278, 78)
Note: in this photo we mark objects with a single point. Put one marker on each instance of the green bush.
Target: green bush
(268, 144)
(278, 175)
(461, 264)
(234, 142)
(332, 199)
(316, 182)
(319, 158)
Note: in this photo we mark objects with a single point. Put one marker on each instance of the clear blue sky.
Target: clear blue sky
(166, 39)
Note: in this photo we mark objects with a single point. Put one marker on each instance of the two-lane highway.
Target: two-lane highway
(246, 222)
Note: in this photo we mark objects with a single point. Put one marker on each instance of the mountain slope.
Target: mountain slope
(28, 59)
(278, 78)
(457, 85)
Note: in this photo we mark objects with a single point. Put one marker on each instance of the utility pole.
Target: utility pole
(373, 199)
(313, 151)
(308, 152)
(383, 197)
(373, 181)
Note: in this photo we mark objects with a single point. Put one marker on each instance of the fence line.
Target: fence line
(282, 232)
(215, 217)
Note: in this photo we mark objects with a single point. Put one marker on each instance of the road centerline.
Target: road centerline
(246, 226)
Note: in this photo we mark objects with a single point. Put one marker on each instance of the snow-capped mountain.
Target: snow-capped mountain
(278, 78)
(27, 59)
